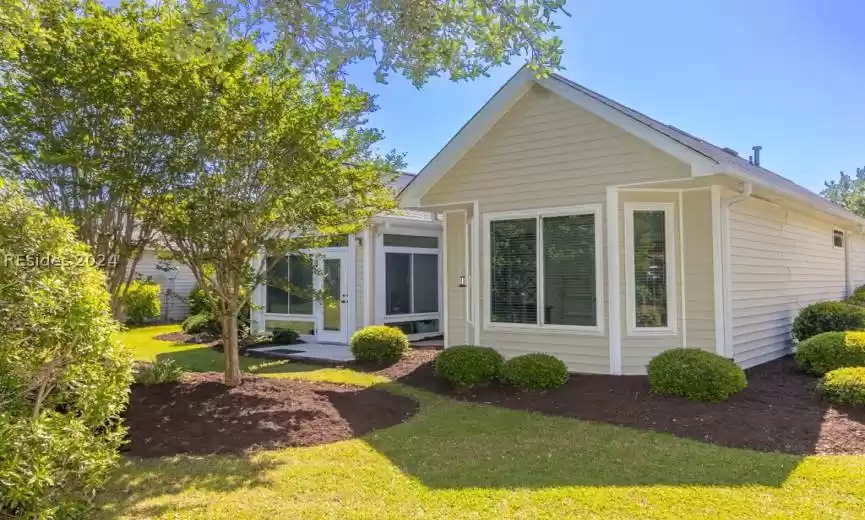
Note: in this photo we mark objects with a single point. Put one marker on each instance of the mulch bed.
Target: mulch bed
(778, 412)
(182, 337)
(200, 415)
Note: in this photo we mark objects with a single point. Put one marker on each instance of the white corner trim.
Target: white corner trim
(670, 254)
(539, 326)
(476, 272)
(718, 271)
(682, 271)
(613, 278)
(467, 136)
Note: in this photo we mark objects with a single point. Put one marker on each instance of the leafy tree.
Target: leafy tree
(93, 108)
(848, 192)
(64, 378)
(281, 162)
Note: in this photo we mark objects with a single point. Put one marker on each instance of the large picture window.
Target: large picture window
(285, 273)
(649, 243)
(545, 269)
(411, 283)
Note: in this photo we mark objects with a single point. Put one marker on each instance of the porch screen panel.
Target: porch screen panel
(398, 283)
(277, 277)
(650, 269)
(513, 271)
(300, 276)
(426, 283)
(569, 270)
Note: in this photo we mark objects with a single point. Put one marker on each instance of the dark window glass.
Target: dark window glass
(398, 283)
(569, 270)
(426, 283)
(513, 271)
(300, 276)
(411, 241)
(277, 278)
(650, 269)
(838, 238)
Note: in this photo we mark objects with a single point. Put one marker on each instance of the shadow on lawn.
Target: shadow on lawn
(206, 359)
(138, 481)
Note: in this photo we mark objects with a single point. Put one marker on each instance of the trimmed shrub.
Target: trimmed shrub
(161, 371)
(203, 323)
(379, 344)
(199, 302)
(141, 302)
(534, 372)
(465, 366)
(830, 350)
(284, 337)
(695, 374)
(844, 386)
(827, 317)
(64, 377)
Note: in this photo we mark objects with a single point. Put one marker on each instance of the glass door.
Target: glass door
(332, 322)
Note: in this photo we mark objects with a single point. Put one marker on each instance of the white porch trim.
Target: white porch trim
(613, 279)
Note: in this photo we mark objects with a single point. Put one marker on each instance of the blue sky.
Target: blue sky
(785, 74)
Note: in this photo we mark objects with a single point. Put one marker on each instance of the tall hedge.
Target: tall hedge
(64, 377)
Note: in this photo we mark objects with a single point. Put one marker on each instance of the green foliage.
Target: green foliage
(201, 302)
(848, 192)
(160, 371)
(534, 372)
(94, 104)
(285, 336)
(379, 344)
(466, 366)
(844, 386)
(827, 316)
(203, 323)
(141, 302)
(695, 374)
(830, 350)
(64, 377)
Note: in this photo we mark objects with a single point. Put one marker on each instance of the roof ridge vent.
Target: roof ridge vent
(730, 151)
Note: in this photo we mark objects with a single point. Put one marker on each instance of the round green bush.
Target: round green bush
(141, 302)
(379, 344)
(203, 323)
(534, 372)
(695, 374)
(831, 350)
(465, 366)
(284, 337)
(827, 317)
(844, 386)
(200, 302)
(64, 376)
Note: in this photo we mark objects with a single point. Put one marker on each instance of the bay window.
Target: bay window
(545, 269)
(650, 275)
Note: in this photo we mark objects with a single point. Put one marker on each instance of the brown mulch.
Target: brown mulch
(777, 412)
(201, 415)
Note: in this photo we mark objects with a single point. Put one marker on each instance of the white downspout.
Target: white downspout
(728, 203)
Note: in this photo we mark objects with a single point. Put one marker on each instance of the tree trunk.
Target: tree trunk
(230, 349)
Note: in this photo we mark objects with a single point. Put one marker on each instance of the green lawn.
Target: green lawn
(460, 460)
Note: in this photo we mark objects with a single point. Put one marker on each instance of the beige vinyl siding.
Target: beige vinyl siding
(856, 243)
(781, 260)
(174, 293)
(455, 225)
(545, 152)
(699, 274)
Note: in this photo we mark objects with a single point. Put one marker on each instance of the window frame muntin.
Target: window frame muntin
(671, 268)
(538, 214)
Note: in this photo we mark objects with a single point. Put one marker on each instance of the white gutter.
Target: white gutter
(728, 203)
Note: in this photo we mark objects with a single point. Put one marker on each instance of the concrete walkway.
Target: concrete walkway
(308, 352)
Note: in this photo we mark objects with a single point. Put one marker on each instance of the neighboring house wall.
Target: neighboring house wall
(544, 153)
(174, 293)
(782, 260)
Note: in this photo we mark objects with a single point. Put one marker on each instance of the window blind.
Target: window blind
(569, 270)
(650, 269)
(513, 271)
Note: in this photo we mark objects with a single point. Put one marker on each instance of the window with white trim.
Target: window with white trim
(544, 269)
(283, 274)
(838, 238)
(650, 252)
(411, 275)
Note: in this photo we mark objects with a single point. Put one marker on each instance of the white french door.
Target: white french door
(331, 320)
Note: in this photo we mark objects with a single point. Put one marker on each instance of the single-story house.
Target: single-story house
(387, 274)
(579, 227)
